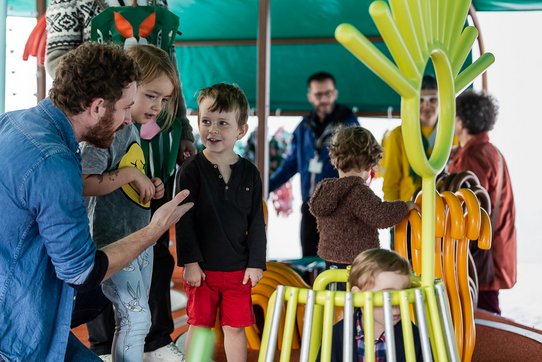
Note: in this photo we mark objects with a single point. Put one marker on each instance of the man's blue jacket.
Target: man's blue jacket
(305, 146)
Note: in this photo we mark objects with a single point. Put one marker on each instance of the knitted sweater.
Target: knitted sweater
(348, 214)
(69, 21)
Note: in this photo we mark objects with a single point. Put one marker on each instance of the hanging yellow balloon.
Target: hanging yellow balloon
(414, 32)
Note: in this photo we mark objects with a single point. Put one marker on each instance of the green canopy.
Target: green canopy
(218, 43)
(28, 7)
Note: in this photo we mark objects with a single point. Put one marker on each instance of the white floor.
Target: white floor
(523, 303)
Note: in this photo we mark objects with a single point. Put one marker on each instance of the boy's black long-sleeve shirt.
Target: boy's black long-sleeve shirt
(224, 230)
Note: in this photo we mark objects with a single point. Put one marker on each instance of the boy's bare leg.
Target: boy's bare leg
(235, 344)
(187, 340)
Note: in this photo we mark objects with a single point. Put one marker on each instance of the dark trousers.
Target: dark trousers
(89, 305)
(309, 233)
(489, 300)
(102, 328)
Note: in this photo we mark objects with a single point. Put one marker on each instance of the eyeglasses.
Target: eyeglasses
(327, 94)
(431, 99)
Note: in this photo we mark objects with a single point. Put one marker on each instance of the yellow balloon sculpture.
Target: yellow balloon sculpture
(414, 32)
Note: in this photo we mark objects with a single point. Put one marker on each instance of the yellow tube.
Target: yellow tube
(394, 40)
(367, 53)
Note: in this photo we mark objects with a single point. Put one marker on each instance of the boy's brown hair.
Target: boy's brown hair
(354, 148)
(227, 98)
(92, 71)
(153, 63)
(368, 264)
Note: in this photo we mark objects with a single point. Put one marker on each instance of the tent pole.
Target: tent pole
(3, 26)
(262, 98)
(481, 46)
(40, 71)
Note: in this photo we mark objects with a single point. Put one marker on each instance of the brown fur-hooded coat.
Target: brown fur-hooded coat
(348, 214)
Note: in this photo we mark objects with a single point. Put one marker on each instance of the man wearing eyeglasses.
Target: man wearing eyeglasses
(309, 150)
(400, 180)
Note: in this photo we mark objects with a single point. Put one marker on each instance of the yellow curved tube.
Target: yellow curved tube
(464, 44)
(279, 278)
(464, 293)
(416, 240)
(360, 46)
(289, 327)
(460, 10)
(474, 215)
(467, 76)
(400, 238)
(457, 227)
(293, 277)
(451, 283)
(394, 40)
(484, 241)
(440, 213)
(406, 26)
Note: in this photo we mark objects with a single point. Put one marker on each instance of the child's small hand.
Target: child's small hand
(411, 205)
(193, 275)
(144, 186)
(254, 274)
(158, 188)
(186, 150)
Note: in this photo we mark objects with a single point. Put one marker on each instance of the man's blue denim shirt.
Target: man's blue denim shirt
(44, 236)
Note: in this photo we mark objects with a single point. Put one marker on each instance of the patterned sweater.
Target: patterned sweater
(68, 24)
(348, 214)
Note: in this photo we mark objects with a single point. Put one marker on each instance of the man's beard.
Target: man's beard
(102, 134)
(325, 109)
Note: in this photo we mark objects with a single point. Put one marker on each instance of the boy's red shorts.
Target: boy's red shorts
(223, 290)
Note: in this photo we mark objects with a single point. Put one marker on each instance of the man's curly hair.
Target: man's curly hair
(354, 148)
(477, 111)
(92, 71)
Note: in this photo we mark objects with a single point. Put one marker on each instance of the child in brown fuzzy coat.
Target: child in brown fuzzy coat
(347, 211)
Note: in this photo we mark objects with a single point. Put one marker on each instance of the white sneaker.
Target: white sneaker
(169, 353)
(106, 357)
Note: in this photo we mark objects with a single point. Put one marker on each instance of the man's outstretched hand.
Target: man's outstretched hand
(171, 212)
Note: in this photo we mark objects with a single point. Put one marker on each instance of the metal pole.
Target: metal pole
(273, 334)
(391, 354)
(40, 69)
(423, 326)
(348, 331)
(3, 26)
(447, 323)
(262, 99)
(481, 46)
(307, 327)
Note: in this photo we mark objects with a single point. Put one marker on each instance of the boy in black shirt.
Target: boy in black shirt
(221, 242)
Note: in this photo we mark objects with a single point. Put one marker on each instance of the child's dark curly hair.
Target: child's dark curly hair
(354, 148)
(477, 111)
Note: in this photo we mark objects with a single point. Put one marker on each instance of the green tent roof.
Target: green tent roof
(28, 7)
(218, 43)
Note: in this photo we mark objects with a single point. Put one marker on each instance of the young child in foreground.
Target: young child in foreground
(221, 241)
(347, 211)
(120, 193)
(377, 270)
